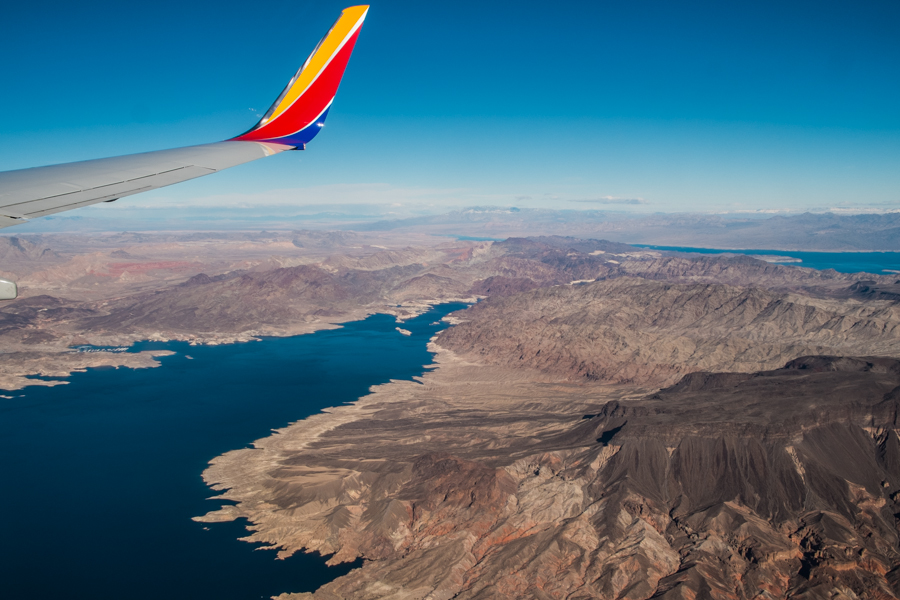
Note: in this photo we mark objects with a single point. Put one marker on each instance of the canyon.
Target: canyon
(604, 421)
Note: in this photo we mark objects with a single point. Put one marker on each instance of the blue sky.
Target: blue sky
(639, 106)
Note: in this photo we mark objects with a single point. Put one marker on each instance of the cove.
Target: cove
(100, 477)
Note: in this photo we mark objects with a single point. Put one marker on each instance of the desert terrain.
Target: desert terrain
(604, 422)
(807, 231)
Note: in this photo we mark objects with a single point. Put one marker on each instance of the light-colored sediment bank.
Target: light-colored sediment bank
(15, 367)
(57, 359)
(478, 481)
(345, 482)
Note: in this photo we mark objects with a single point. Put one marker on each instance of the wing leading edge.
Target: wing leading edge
(293, 120)
(40, 191)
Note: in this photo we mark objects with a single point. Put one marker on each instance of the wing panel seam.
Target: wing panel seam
(100, 187)
(91, 201)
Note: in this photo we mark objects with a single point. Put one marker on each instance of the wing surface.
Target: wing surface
(40, 191)
(293, 120)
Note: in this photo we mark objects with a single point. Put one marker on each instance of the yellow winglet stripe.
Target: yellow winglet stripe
(349, 21)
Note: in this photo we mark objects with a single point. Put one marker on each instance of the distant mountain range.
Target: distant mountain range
(808, 231)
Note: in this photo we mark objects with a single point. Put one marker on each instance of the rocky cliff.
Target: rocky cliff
(637, 330)
(775, 484)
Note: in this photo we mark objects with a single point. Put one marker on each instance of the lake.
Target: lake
(100, 477)
(879, 263)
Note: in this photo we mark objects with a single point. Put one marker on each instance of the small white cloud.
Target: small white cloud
(612, 200)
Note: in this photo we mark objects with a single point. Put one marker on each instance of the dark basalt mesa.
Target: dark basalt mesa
(773, 484)
(780, 483)
(872, 290)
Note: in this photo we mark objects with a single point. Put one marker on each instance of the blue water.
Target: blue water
(471, 238)
(100, 477)
(879, 263)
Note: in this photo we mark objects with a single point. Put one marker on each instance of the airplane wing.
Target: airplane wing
(29, 193)
(293, 120)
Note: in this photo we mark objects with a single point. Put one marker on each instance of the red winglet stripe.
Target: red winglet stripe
(311, 104)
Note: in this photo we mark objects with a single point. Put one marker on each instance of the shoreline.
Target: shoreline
(317, 484)
(61, 362)
(163, 427)
(688, 249)
(440, 483)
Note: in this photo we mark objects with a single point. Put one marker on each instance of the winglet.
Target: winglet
(299, 112)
